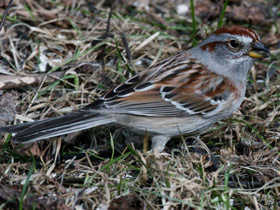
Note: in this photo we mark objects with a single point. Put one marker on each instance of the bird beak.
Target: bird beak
(259, 51)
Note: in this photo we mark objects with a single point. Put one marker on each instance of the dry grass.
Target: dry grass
(243, 169)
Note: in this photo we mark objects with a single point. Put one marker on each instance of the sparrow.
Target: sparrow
(183, 94)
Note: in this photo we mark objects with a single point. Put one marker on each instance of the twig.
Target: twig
(127, 50)
(9, 82)
(109, 19)
(5, 14)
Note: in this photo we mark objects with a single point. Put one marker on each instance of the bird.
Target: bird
(183, 94)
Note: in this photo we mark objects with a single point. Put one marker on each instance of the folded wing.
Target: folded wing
(174, 87)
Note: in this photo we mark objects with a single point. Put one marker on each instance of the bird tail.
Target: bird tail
(47, 128)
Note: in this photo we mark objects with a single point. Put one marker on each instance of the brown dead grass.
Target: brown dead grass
(67, 36)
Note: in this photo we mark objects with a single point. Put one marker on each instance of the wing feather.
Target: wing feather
(174, 87)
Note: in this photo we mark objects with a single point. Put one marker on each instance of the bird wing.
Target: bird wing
(174, 87)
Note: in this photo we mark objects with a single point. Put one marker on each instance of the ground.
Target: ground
(88, 47)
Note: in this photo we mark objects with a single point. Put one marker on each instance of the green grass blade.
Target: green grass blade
(194, 41)
(220, 22)
(29, 12)
(24, 189)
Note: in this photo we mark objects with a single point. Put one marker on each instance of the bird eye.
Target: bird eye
(234, 44)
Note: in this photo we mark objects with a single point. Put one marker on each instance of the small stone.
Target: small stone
(182, 9)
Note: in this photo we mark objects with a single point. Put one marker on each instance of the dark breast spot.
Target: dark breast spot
(221, 97)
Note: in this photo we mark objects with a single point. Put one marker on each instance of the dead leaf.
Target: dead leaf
(9, 192)
(248, 11)
(14, 81)
(8, 108)
(127, 202)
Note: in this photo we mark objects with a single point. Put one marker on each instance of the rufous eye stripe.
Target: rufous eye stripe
(210, 46)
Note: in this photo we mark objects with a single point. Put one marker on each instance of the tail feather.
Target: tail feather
(47, 128)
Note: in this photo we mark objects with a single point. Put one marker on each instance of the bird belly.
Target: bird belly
(167, 126)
